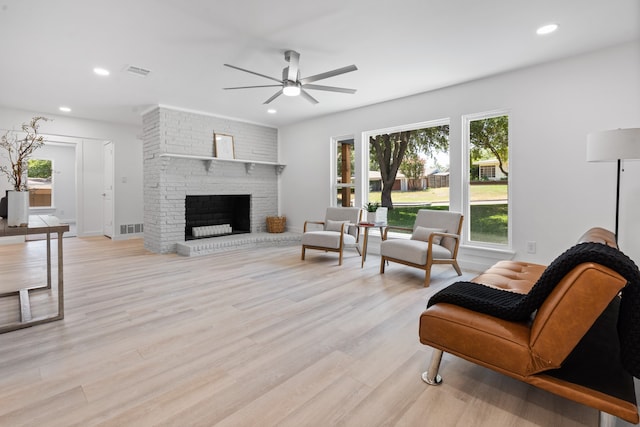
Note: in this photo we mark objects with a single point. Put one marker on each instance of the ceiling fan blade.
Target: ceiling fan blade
(253, 72)
(328, 74)
(250, 87)
(330, 88)
(277, 94)
(293, 58)
(308, 97)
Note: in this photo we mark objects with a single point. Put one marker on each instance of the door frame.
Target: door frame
(111, 166)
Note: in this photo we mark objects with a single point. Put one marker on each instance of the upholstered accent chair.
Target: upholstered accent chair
(435, 239)
(337, 231)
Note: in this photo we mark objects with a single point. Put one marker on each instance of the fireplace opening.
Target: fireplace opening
(217, 215)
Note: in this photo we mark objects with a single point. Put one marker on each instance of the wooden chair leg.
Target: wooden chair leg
(457, 267)
(381, 265)
(427, 275)
(302, 253)
(340, 259)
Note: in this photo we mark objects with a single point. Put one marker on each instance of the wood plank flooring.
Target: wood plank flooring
(243, 338)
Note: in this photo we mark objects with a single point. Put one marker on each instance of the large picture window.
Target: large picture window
(487, 195)
(409, 170)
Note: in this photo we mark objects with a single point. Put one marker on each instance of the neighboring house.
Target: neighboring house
(375, 182)
(431, 179)
(438, 179)
(490, 170)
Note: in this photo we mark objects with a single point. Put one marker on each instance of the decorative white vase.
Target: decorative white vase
(371, 217)
(381, 215)
(17, 208)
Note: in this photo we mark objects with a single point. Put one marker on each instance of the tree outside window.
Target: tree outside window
(345, 168)
(408, 171)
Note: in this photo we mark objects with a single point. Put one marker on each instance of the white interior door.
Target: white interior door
(107, 194)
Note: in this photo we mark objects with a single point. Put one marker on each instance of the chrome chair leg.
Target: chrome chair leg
(606, 420)
(431, 376)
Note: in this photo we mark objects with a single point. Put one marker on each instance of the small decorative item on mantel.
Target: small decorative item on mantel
(276, 224)
(223, 146)
(17, 151)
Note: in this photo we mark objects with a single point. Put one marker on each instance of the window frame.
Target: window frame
(466, 184)
(488, 172)
(364, 150)
(333, 164)
(52, 205)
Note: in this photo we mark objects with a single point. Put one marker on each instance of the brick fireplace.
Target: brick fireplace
(168, 180)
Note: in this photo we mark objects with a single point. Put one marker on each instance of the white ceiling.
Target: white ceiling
(49, 48)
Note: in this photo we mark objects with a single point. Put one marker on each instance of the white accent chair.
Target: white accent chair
(435, 239)
(338, 231)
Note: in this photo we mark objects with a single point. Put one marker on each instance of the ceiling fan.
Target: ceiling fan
(291, 83)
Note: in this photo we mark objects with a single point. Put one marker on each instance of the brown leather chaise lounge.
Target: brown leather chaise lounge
(572, 328)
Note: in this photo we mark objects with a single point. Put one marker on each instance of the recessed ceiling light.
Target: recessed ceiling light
(272, 111)
(65, 109)
(547, 29)
(101, 71)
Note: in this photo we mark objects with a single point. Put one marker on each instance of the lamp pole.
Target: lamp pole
(618, 197)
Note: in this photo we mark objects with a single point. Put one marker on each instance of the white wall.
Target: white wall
(552, 108)
(90, 134)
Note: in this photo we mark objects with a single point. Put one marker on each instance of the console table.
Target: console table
(38, 224)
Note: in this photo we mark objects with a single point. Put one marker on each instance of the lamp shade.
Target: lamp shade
(611, 145)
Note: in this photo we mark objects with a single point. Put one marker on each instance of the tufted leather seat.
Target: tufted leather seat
(513, 276)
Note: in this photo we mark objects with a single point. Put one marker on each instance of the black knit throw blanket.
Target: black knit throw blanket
(518, 307)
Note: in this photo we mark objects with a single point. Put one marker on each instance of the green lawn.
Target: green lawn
(440, 195)
(488, 221)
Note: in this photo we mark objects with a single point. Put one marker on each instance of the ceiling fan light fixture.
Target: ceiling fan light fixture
(291, 88)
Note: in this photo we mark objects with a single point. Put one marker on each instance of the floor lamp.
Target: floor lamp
(614, 145)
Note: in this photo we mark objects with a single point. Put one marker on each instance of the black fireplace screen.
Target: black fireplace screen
(217, 215)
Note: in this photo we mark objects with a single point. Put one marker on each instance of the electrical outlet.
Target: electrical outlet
(531, 247)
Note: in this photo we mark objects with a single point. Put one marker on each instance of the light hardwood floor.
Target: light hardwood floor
(244, 338)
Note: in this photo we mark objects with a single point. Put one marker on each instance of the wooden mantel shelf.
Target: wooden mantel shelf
(249, 164)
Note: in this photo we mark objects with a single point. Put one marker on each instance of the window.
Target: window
(487, 172)
(409, 169)
(40, 183)
(487, 195)
(344, 173)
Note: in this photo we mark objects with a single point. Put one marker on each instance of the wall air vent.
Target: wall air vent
(131, 228)
(138, 71)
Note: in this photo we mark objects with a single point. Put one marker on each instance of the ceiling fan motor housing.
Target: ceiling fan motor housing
(291, 53)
